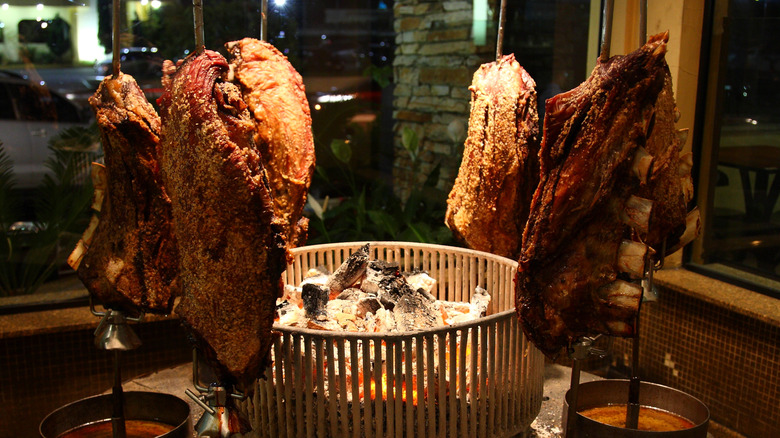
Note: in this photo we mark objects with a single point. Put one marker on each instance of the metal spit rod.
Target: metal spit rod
(115, 43)
(580, 349)
(642, 21)
(501, 24)
(606, 41)
(264, 20)
(632, 408)
(114, 334)
(197, 18)
(215, 401)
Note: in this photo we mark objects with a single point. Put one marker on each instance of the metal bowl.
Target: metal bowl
(610, 392)
(150, 406)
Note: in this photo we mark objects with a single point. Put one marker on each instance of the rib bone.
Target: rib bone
(637, 212)
(643, 164)
(631, 258)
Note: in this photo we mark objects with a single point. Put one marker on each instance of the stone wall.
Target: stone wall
(435, 59)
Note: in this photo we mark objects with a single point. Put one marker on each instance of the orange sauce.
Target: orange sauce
(650, 419)
(134, 428)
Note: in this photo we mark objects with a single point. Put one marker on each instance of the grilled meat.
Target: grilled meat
(611, 190)
(276, 97)
(128, 258)
(232, 249)
(488, 205)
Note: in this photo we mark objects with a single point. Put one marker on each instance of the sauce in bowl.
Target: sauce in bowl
(650, 419)
(134, 428)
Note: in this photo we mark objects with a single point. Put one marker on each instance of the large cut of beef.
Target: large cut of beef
(613, 191)
(488, 205)
(128, 258)
(276, 97)
(231, 247)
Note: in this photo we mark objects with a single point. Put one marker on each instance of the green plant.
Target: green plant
(369, 210)
(61, 203)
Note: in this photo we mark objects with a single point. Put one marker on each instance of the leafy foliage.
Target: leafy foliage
(369, 210)
(33, 254)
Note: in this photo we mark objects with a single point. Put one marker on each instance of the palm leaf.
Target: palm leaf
(8, 202)
(62, 211)
(8, 208)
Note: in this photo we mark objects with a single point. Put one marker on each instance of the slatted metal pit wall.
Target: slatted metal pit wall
(477, 379)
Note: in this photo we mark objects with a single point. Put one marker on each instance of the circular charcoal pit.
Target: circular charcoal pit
(479, 378)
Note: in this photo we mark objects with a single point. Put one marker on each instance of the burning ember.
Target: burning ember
(396, 339)
(372, 296)
(365, 295)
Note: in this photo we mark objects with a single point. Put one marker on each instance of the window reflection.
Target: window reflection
(744, 231)
(343, 49)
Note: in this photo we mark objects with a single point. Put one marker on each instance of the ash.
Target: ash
(365, 295)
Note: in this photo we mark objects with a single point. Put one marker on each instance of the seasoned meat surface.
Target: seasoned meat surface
(609, 167)
(489, 203)
(276, 97)
(131, 260)
(232, 249)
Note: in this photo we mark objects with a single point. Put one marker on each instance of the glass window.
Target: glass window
(345, 51)
(741, 146)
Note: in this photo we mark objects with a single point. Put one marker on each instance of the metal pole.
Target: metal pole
(115, 34)
(571, 414)
(609, 7)
(642, 22)
(197, 17)
(264, 20)
(118, 415)
(501, 24)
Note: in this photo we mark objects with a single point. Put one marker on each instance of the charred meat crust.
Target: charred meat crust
(575, 266)
(232, 247)
(488, 205)
(276, 98)
(131, 262)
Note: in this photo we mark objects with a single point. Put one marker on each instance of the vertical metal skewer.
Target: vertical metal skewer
(115, 34)
(642, 22)
(197, 18)
(578, 351)
(501, 24)
(113, 333)
(264, 20)
(581, 349)
(606, 41)
(633, 407)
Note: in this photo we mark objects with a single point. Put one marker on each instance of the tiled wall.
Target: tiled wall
(729, 361)
(40, 373)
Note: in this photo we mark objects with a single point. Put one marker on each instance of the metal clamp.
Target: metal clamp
(113, 332)
(213, 387)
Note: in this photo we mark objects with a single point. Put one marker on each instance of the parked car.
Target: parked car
(30, 115)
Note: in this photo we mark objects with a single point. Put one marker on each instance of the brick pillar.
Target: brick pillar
(435, 59)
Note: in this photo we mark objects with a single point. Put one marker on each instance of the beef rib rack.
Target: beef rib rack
(231, 247)
(488, 205)
(613, 188)
(128, 257)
